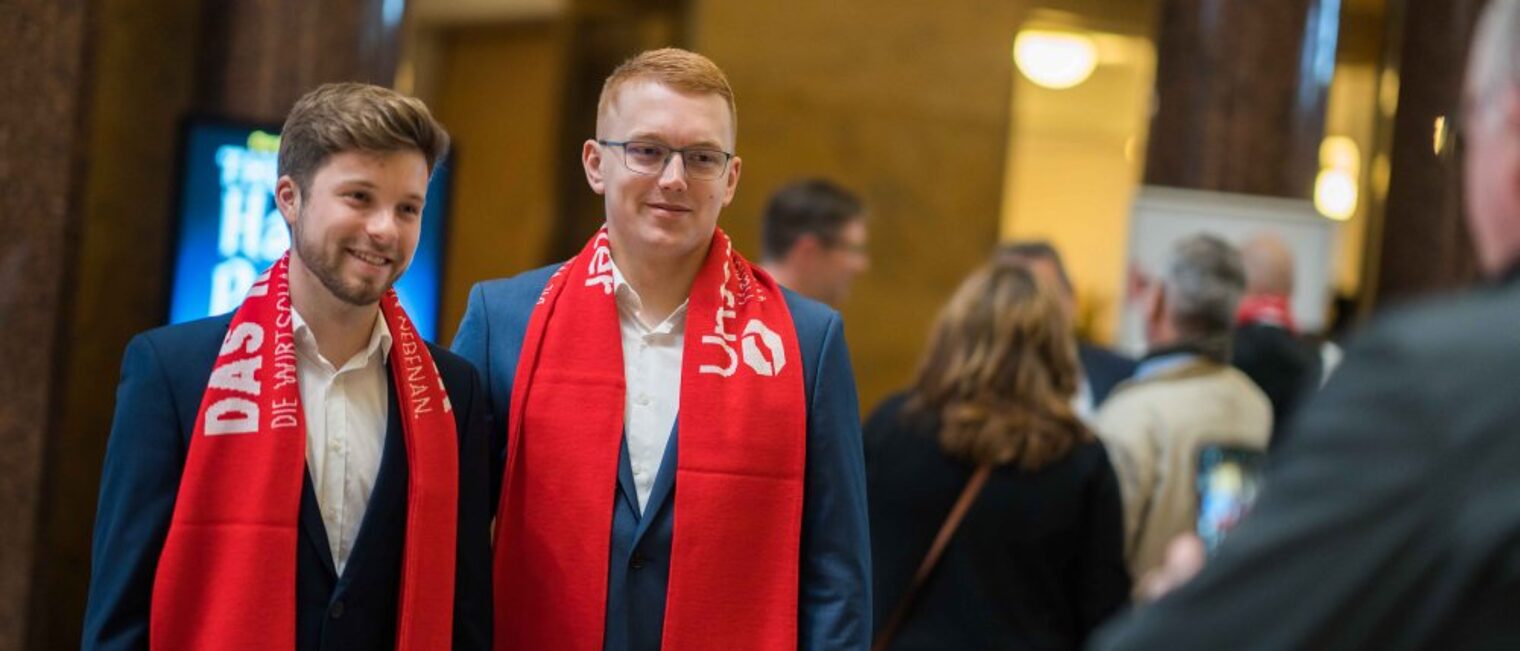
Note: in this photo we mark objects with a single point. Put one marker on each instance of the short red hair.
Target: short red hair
(679, 69)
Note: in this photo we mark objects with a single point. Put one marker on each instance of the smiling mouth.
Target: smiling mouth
(667, 207)
(370, 258)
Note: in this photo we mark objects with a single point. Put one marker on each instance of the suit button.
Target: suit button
(638, 561)
(336, 611)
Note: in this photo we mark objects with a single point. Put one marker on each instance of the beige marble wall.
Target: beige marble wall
(908, 105)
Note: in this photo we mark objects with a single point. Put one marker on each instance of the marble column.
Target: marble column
(262, 55)
(1240, 95)
(42, 165)
(1421, 243)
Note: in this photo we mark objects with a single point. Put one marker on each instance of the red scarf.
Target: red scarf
(1269, 309)
(738, 498)
(227, 575)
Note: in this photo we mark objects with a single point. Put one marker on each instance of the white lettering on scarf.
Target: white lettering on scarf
(230, 414)
(419, 394)
(599, 272)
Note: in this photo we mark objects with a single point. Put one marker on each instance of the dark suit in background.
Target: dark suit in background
(1286, 368)
(163, 378)
(1037, 563)
(1102, 369)
(1391, 520)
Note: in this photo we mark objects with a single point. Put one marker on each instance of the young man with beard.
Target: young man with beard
(682, 439)
(305, 472)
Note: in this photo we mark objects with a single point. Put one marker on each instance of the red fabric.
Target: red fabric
(226, 578)
(1270, 309)
(739, 475)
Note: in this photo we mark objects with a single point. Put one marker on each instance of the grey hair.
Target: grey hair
(1204, 282)
(1499, 39)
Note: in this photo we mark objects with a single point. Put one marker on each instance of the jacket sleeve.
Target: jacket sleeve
(473, 342)
(835, 598)
(1128, 433)
(1340, 537)
(472, 584)
(145, 456)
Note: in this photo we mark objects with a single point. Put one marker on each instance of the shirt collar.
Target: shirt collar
(379, 341)
(629, 304)
(1157, 364)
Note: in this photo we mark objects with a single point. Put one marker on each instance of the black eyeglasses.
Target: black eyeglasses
(651, 158)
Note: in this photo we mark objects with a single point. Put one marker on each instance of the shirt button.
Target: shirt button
(337, 610)
(641, 400)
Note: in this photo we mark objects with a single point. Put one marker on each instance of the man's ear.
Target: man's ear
(731, 182)
(287, 196)
(591, 160)
(1155, 304)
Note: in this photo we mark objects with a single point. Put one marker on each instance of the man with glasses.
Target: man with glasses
(680, 435)
(814, 238)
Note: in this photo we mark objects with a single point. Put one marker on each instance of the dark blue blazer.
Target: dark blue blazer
(1104, 369)
(835, 591)
(164, 374)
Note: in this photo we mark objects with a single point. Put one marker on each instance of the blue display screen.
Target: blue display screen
(230, 230)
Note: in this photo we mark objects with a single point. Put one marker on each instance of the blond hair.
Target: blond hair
(679, 69)
(351, 116)
(1001, 370)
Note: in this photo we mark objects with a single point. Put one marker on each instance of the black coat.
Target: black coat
(1286, 368)
(1390, 519)
(1037, 563)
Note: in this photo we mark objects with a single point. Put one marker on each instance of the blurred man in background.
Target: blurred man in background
(1389, 520)
(814, 238)
(1268, 347)
(1184, 395)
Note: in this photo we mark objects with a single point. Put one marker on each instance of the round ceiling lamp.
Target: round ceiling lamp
(1056, 60)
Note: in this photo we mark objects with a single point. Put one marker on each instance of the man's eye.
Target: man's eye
(703, 157)
(646, 151)
(359, 196)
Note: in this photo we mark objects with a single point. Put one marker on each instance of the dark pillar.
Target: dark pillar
(264, 54)
(1240, 95)
(42, 137)
(1421, 243)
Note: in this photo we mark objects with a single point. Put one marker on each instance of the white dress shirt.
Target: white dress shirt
(652, 371)
(346, 410)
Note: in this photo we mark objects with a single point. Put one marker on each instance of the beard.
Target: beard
(327, 263)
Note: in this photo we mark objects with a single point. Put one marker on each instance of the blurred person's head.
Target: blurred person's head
(813, 236)
(1044, 259)
(354, 163)
(1194, 301)
(1491, 122)
(1268, 264)
(663, 205)
(1000, 371)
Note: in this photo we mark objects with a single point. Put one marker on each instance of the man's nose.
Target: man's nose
(673, 176)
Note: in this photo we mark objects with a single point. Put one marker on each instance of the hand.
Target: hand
(1185, 557)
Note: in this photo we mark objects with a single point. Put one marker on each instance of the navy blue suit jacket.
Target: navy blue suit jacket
(1104, 369)
(164, 374)
(834, 595)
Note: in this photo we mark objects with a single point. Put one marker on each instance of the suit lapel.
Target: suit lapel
(313, 528)
(626, 487)
(664, 485)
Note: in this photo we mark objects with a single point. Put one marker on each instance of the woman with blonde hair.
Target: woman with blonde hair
(985, 452)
